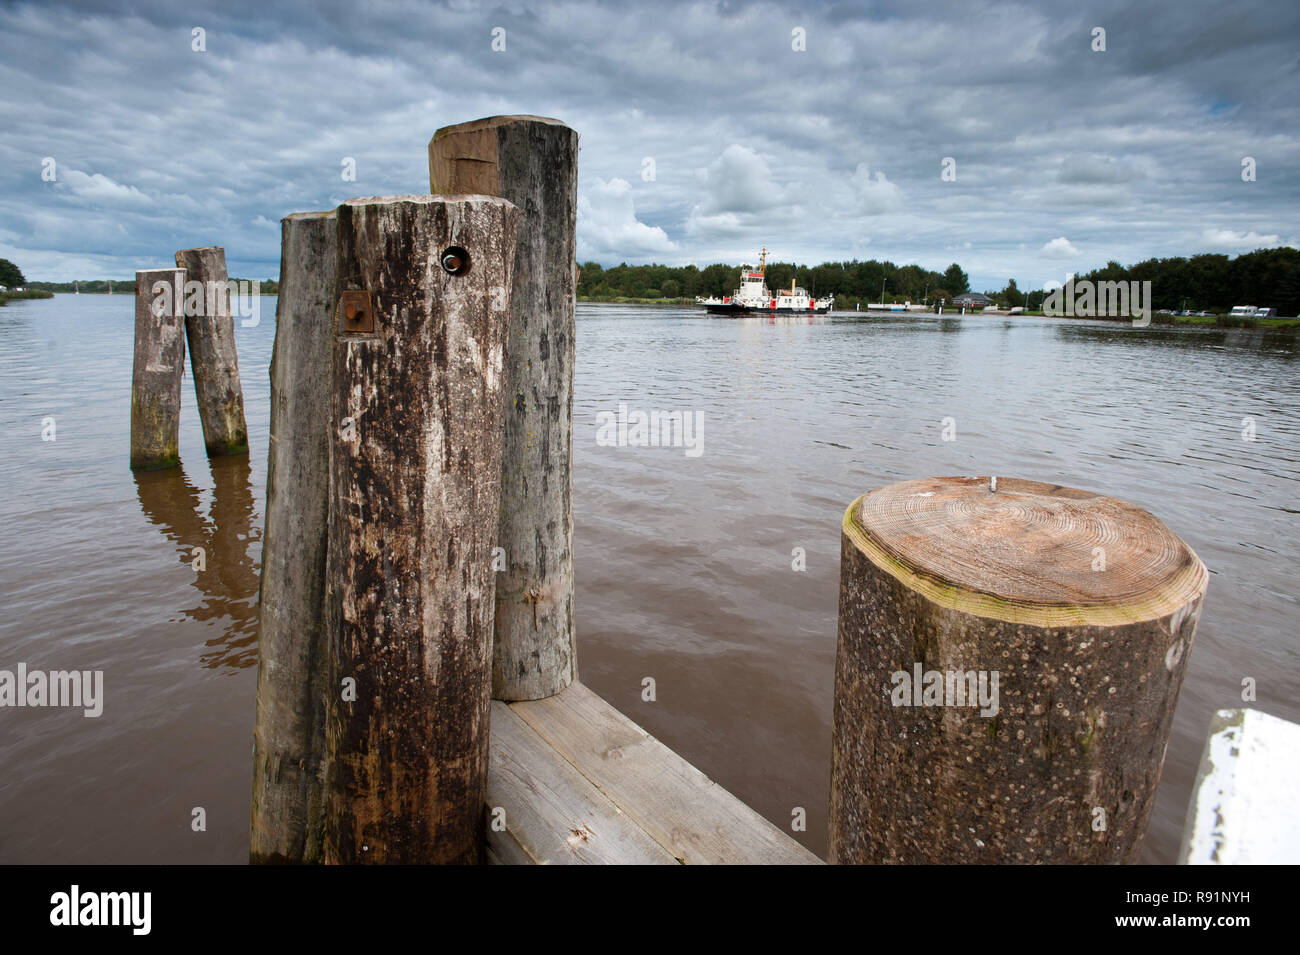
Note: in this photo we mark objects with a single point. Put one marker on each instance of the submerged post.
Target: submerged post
(533, 162)
(382, 511)
(210, 331)
(1009, 659)
(156, 374)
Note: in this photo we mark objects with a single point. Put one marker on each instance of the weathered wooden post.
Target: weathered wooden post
(210, 331)
(1008, 664)
(289, 738)
(156, 375)
(376, 670)
(533, 162)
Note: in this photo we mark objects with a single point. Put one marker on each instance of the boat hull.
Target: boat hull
(730, 308)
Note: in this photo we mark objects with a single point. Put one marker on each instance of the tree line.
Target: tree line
(850, 281)
(1268, 278)
(127, 286)
(1204, 282)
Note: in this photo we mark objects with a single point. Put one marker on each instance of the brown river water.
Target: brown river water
(684, 562)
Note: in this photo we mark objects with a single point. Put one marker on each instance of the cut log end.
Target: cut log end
(490, 122)
(1026, 552)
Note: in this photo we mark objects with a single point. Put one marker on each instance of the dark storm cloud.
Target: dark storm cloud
(704, 133)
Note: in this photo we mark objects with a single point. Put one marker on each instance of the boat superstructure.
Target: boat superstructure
(753, 296)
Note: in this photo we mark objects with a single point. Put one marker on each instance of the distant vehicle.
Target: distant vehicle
(1164, 311)
(1250, 311)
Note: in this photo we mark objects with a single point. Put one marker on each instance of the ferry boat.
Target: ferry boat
(753, 296)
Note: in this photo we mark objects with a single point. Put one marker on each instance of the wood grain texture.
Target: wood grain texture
(1086, 692)
(156, 372)
(214, 363)
(553, 814)
(531, 161)
(289, 744)
(1027, 552)
(692, 817)
(414, 459)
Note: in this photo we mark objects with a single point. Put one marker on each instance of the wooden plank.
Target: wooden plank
(687, 813)
(553, 814)
(503, 849)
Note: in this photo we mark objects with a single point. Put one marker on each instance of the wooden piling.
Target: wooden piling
(415, 454)
(1084, 609)
(214, 364)
(289, 738)
(156, 375)
(382, 513)
(532, 162)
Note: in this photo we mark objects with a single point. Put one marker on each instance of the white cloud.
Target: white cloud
(608, 226)
(778, 165)
(99, 188)
(739, 180)
(875, 195)
(1242, 241)
(1059, 248)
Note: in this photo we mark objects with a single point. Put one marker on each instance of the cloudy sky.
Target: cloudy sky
(708, 129)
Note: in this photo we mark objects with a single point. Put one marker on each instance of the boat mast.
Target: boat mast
(762, 260)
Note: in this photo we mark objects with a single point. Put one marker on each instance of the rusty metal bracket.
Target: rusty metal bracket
(356, 314)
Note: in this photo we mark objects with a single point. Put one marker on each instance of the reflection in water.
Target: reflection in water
(1276, 341)
(229, 579)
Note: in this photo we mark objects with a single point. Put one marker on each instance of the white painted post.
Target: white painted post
(1243, 804)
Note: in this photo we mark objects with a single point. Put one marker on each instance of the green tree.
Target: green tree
(1011, 295)
(670, 288)
(1287, 300)
(10, 275)
(717, 280)
(955, 280)
(691, 281)
(590, 275)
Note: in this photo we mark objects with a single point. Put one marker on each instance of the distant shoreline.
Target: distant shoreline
(7, 297)
(1164, 321)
